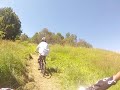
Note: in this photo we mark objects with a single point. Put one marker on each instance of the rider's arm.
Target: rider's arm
(106, 82)
(116, 77)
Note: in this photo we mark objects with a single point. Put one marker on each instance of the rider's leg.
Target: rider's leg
(44, 65)
(40, 61)
(44, 59)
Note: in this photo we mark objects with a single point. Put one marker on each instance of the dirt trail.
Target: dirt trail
(40, 82)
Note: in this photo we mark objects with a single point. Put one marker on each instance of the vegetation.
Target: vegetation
(10, 29)
(58, 38)
(73, 65)
(82, 66)
(13, 63)
(9, 24)
(24, 37)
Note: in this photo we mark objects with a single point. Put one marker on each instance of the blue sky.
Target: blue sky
(96, 21)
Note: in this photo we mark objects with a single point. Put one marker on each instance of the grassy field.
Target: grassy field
(74, 66)
(81, 66)
(13, 57)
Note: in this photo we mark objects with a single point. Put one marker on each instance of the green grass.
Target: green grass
(81, 66)
(13, 63)
(74, 66)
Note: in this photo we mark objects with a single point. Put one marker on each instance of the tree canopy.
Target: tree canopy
(9, 23)
(58, 38)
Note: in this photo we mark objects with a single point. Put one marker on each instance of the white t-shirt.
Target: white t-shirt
(43, 49)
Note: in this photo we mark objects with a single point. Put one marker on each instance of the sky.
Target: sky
(96, 21)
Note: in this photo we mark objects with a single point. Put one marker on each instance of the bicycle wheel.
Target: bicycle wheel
(42, 64)
(43, 69)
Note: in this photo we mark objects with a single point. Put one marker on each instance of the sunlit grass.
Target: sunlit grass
(74, 66)
(13, 63)
(81, 66)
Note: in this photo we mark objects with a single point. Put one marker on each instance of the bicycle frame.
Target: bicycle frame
(42, 64)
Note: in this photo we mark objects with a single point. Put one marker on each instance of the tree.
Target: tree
(36, 38)
(60, 35)
(24, 37)
(83, 43)
(49, 35)
(67, 35)
(52, 38)
(58, 38)
(9, 24)
(70, 39)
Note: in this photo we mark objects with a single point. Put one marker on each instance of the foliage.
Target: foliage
(9, 23)
(1, 34)
(82, 66)
(83, 43)
(51, 38)
(13, 63)
(24, 37)
(70, 39)
(58, 38)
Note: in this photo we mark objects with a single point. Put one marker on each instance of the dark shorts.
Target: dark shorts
(103, 84)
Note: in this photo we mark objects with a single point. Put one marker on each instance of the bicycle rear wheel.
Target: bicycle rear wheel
(42, 64)
(43, 70)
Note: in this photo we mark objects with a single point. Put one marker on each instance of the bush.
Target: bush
(82, 66)
(13, 63)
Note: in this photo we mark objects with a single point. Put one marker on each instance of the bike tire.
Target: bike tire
(43, 69)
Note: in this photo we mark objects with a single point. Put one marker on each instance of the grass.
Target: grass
(13, 63)
(74, 66)
(81, 66)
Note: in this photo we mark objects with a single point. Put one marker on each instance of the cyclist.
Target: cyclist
(105, 83)
(43, 50)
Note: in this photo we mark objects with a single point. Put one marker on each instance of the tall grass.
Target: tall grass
(13, 63)
(81, 66)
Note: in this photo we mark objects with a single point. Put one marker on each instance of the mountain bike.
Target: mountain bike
(42, 64)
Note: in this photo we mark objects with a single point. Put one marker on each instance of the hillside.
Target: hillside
(40, 82)
(82, 66)
(70, 67)
(13, 61)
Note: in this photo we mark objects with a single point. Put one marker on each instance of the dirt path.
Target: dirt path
(40, 82)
